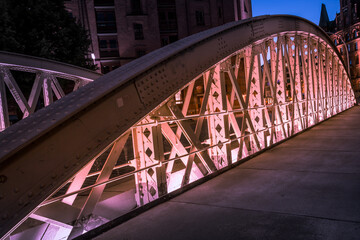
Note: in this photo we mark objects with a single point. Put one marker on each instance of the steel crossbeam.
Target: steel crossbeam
(46, 79)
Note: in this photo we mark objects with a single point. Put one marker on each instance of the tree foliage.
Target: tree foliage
(45, 29)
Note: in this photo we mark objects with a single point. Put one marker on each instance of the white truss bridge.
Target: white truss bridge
(189, 110)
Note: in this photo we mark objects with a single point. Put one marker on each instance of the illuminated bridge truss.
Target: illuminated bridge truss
(166, 120)
(46, 80)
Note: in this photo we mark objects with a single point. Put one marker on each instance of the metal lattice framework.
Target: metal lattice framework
(169, 119)
(45, 82)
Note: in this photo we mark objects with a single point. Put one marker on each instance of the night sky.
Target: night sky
(309, 9)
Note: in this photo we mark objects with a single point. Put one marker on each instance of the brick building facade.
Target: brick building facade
(344, 31)
(122, 30)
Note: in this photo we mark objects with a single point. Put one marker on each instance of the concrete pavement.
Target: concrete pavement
(305, 188)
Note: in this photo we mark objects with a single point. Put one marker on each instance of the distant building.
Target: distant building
(344, 31)
(324, 23)
(123, 30)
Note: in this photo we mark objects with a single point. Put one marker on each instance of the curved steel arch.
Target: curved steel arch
(33, 64)
(141, 97)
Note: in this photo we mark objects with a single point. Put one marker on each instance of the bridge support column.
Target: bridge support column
(218, 123)
(149, 153)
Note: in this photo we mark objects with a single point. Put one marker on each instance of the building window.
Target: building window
(350, 62)
(105, 22)
(164, 41)
(356, 46)
(348, 47)
(220, 12)
(69, 12)
(136, 7)
(140, 52)
(335, 42)
(173, 38)
(172, 16)
(166, 3)
(167, 20)
(109, 66)
(103, 3)
(347, 37)
(138, 31)
(199, 15)
(355, 34)
(108, 47)
(162, 16)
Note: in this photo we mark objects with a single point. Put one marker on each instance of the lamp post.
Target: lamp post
(93, 58)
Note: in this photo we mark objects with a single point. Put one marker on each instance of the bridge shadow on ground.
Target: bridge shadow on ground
(306, 188)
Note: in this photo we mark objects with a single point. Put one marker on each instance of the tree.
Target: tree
(45, 29)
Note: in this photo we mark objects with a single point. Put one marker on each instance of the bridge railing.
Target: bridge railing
(220, 108)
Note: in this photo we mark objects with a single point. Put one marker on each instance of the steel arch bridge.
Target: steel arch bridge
(165, 120)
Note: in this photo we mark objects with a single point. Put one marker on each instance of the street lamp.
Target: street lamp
(93, 57)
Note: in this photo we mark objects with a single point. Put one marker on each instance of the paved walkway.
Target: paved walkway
(305, 188)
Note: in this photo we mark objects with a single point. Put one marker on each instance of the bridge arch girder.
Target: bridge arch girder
(218, 80)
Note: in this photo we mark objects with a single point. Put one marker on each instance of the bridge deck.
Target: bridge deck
(305, 188)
